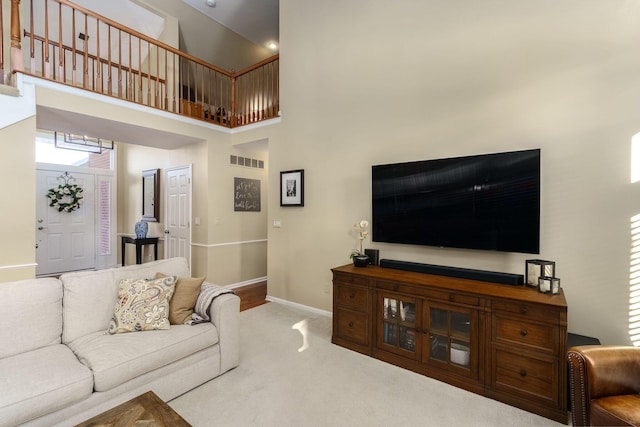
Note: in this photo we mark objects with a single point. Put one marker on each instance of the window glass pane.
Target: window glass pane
(390, 333)
(407, 312)
(460, 353)
(460, 324)
(439, 347)
(407, 338)
(439, 320)
(47, 152)
(390, 308)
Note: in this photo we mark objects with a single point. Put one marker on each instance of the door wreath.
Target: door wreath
(66, 197)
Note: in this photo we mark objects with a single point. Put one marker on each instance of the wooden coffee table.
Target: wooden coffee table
(145, 410)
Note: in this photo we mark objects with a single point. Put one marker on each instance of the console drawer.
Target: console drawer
(352, 296)
(352, 326)
(349, 279)
(517, 373)
(397, 287)
(540, 336)
(453, 297)
(525, 310)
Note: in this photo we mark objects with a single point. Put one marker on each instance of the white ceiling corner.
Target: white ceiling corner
(255, 20)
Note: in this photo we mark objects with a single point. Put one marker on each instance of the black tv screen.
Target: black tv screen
(489, 201)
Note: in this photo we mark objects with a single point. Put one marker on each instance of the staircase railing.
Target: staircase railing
(74, 46)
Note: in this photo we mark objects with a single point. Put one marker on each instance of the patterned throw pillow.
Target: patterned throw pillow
(143, 305)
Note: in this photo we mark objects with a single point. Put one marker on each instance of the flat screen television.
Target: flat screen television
(488, 202)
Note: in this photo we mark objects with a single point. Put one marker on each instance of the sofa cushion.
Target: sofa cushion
(142, 305)
(184, 298)
(40, 381)
(31, 315)
(622, 410)
(89, 296)
(115, 359)
(172, 266)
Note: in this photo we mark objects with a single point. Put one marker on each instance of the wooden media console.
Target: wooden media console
(503, 342)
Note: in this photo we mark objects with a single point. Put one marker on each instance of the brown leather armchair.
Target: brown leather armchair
(604, 382)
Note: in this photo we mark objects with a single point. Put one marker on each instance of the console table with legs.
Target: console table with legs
(500, 341)
(139, 242)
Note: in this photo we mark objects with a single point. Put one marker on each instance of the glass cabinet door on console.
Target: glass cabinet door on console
(451, 337)
(397, 324)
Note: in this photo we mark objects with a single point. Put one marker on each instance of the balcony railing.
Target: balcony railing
(71, 45)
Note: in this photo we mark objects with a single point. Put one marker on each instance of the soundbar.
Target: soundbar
(460, 273)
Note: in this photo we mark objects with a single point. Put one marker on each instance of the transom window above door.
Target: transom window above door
(47, 152)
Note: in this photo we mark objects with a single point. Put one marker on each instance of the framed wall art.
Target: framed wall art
(246, 195)
(292, 188)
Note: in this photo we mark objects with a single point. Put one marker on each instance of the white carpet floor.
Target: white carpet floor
(291, 375)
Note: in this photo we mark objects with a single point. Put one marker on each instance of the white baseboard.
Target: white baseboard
(300, 306)
(279, 300)
(247, 282)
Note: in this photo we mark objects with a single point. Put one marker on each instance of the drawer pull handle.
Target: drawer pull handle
(523, 310)
(523, 332)
(523, 373)
(351, 324)
(352, 295)
(452, 297)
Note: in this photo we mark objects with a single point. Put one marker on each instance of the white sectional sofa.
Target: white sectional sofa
(58, 367)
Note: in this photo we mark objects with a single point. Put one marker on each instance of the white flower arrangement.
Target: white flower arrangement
(361, 229)
(66, 197)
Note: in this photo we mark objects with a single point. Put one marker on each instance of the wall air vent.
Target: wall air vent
(246, 162)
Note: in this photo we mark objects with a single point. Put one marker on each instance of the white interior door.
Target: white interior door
(177, 233)
(65, 240)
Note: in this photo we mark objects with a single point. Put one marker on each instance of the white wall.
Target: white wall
(209, 40)
(227, 251)
(17, 210)
(373, 82)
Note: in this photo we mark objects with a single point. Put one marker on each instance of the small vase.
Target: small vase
(361, 260)
(141, 229)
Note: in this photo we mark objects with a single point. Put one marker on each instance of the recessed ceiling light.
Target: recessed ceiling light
(272, 45)
(210, 3)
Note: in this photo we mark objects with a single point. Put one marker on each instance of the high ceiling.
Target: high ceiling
(255, 20)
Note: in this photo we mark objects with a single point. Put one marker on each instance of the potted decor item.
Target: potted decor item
(141, 229)
(358, 256)
(360, 260)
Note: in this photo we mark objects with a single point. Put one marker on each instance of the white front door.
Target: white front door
(177, 233)
(65, 240)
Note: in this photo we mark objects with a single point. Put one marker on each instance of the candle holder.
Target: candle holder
(549, 285)
(535, 268)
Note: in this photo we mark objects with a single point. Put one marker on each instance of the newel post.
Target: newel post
(16, 48)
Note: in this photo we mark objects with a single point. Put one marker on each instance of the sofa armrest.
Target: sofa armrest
(599, 371)
(225, 312)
